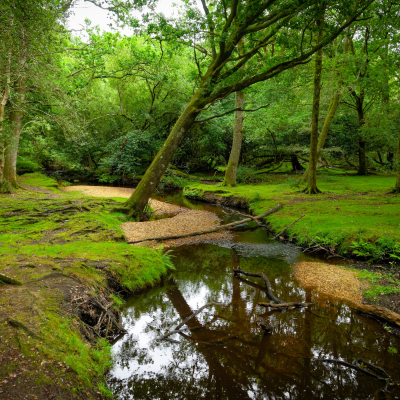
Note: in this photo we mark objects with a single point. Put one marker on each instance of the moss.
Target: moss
(72, 235)
(351, 213)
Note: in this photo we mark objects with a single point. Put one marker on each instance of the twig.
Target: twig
(232, 224)
(267, 283)
(284, 230)
(285, 305)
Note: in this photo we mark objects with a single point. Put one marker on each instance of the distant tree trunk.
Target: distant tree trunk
(230, 173)
(362, 156)
(389, 158)
(139, 198)
(12, 143)
(312, 166)
(296, 166)
(3, 103)
(397, 187)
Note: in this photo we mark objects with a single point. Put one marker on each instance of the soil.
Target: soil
(107, 191)
(182, 222)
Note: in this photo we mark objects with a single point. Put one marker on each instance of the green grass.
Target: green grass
(355, 214)
(380, 284)
(40, 229)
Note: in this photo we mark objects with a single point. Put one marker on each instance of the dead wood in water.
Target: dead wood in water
(378, 312)
(285, 305)
(227, 226)
(361, 366)
(264, 277)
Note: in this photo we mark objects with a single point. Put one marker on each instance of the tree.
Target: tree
(215, 38)
(231, 169)
(312, 168)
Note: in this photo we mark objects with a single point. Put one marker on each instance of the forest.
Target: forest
(200, 201)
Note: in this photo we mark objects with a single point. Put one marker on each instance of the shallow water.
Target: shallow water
(222, 354)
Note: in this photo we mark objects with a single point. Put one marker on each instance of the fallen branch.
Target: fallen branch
(227, 226)
(385, 378)
(267, 283)
(177, 329)
(19, 325)
(281, 233)
(10, 281)
(379, 312)
(285, 305)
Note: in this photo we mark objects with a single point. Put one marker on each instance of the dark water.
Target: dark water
(222, 354)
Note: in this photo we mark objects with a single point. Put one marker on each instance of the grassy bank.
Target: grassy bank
(355, 216)
(65, 254)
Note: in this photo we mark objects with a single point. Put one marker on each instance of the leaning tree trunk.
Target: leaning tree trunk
(312, 166)
(230, 174)
(139, 198)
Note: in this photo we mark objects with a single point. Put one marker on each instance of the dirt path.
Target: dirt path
(183, 221)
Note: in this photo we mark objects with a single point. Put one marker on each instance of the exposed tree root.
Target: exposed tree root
(9, 281)
(227, 226)
(308, 190)
(19, 325)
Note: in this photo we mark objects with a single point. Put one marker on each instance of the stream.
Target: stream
(222, 354)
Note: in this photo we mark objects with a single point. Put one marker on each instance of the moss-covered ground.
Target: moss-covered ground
(355, 215)
(61, 247)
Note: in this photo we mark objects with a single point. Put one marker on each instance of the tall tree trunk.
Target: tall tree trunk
(230, 173)
(11, 150)
(312, 166)
(139, 198)
(296, 166)
(16, 116)
(362, 156)
(397, 187)
(3, 103)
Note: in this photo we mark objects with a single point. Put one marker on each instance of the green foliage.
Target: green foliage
(191, 193)
(392, 350)
(382, 248)
(380, 284)
(24, 165)
(6, 187)
(246, 174)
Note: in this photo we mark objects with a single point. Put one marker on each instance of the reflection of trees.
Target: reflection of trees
(228, 358)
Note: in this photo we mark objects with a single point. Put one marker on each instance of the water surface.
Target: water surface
(222, 354)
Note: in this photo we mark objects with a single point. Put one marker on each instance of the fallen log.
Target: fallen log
(285, 305)
(267, 283)
(227, 226)
(378, 312)
(282, 232)
(8, 280)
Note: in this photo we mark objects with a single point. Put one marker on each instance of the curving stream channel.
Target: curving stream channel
(222, 354)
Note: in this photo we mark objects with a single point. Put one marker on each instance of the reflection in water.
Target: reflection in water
(222, 354)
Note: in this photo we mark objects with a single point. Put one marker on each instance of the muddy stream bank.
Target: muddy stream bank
(222, 354)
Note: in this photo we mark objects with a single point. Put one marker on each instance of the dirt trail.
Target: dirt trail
(183, 221)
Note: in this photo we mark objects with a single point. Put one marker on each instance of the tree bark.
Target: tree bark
(231, 170)
(312, 166)
(139, 198)
(362, 159)
(397, 187)
(3, 103)
(16, 116)
(296, 166)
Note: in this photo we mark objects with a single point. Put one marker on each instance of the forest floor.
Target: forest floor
(65, 258)
(179, 221)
